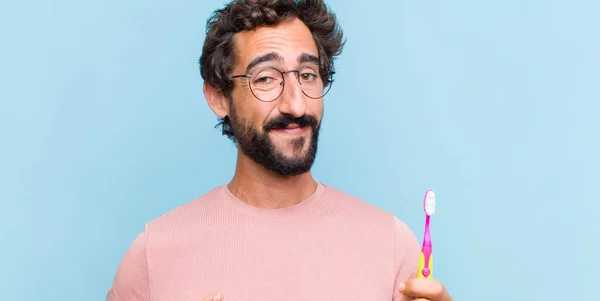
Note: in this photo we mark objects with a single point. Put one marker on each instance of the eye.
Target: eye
(263, 80)
(308, 76)
(266, 78)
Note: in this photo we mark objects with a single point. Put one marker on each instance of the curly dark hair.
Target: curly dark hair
(218, 56)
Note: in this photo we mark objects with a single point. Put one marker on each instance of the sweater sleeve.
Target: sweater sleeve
(132, 280)
(406, 259)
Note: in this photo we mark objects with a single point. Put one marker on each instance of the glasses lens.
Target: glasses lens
(311, 82)
(266, 84)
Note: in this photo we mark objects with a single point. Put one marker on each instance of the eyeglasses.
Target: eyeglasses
(267, 83)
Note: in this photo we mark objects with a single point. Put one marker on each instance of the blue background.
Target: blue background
(494, 104)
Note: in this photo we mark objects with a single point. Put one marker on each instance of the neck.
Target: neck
(259, 187)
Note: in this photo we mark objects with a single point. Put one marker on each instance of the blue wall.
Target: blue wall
(103, 127)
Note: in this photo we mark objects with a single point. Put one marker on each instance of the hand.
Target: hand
(424, 289)
(213, 297)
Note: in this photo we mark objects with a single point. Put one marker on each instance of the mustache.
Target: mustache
(284, 120)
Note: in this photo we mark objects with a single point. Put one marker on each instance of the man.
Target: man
(273, 233)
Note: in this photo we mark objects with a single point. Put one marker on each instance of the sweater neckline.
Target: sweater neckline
(226, 196)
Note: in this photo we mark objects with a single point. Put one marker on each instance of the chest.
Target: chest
(275, 263)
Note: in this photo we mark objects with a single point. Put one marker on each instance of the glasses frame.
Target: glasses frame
(327, 84)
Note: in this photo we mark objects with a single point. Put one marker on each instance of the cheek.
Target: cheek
(240, 101)
(315, 107)
(251, 109)
(264, 112)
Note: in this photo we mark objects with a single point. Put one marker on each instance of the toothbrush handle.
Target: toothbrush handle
(425, 263)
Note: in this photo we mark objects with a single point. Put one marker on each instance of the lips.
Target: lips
(292, 126)
(293, 129)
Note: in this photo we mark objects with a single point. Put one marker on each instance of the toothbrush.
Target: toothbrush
(426, 261)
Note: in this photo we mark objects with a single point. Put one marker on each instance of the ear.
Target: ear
(217, 101)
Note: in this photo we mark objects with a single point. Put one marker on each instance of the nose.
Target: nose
(292, 100)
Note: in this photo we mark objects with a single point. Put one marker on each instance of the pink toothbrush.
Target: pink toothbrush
(426, 261)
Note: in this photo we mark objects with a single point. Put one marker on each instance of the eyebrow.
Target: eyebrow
(273, 56)
(308, 58)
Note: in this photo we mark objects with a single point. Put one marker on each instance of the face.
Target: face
(282, 134)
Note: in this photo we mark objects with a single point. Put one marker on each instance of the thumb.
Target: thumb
(213, 297)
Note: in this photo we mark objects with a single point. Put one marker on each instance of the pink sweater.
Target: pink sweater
(329, 247)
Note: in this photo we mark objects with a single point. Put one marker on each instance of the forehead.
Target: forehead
(288, 39)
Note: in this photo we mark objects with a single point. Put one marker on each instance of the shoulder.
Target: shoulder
(132, 279)
(337, 197)
(354, 206)
(186, 214)
(363, 211)
(379, 222)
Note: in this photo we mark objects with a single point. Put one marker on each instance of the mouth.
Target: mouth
(292, 129)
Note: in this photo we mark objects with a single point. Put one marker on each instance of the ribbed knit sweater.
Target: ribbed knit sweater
(329, 247)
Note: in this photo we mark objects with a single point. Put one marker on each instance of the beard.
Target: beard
(259, 147)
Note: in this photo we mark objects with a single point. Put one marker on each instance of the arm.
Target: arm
(406, 259)
(132, 280)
